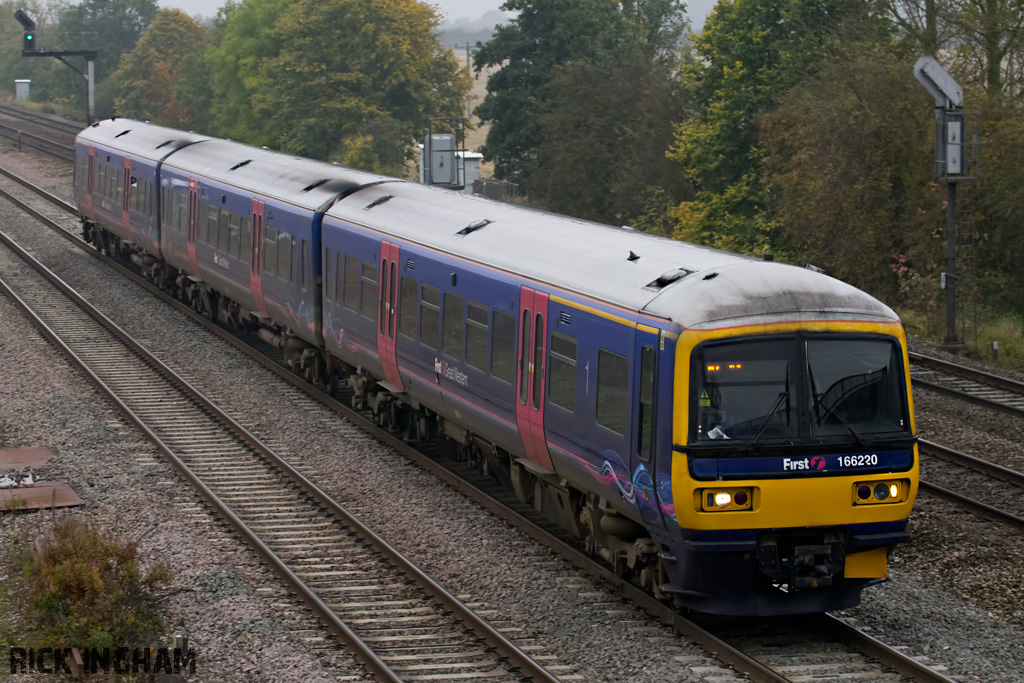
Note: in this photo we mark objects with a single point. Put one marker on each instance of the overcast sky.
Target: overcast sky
(452, 9)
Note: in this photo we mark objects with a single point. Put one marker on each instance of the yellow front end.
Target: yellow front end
(801, 499)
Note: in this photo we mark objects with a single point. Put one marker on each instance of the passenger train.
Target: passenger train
(735, 435)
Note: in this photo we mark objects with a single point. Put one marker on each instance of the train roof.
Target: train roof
(302, 182)
(137, 139)
(690, 285)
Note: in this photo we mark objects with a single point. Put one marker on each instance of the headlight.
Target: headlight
(724, 499)
(884, 492)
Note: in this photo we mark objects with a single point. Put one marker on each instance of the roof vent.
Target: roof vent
(164, 144)
(632, 256)
(668, 277)
(813, 268)
(710, 276)
(473, 227)
(564, 318)
(240, 164)
(318, 183)
(123, 132)
(379, 200)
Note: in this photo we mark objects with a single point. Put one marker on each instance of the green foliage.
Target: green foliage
(349, 80)
(606, 127)
(544, 35)
(150, 74)
(850, 145)
(749, 54)
(110, 26)
(88, 589)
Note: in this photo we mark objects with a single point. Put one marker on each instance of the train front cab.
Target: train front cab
(794, 468)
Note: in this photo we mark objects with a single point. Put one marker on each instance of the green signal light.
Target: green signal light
(28, 36)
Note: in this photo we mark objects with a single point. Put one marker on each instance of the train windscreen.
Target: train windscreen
(797, 390)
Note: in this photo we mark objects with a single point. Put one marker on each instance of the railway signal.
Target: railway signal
(30, 48)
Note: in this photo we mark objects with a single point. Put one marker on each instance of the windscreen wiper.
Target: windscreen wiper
(783, 395)
(832, 409)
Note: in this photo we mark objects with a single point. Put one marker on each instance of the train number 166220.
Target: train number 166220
(866, 460)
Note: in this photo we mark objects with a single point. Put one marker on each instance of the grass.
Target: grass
(977, 330)
(88, 589)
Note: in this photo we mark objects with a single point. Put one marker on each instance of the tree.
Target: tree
(110, 26)
(748, 55)
(849, 150)
(150, 74)
(353, 81)
(545, 34)
(606, 127)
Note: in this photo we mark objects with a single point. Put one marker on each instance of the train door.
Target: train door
(645, 428)
(126, 187)
(90, 175)
(387, 307)
(533, 332)
(193, 227)
(256, 256)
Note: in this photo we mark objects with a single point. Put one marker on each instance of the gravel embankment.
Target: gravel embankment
(958, 609)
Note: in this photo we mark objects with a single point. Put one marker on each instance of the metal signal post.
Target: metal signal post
(950, 165)
(30, 48)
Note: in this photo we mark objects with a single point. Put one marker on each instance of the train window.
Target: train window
(245, 228)
(476, 336)
(182, 220)
(201, 224)
(503, 346)
(743, 389)
(407, 309)
(368, 301)
(234, 238)
(337, 277)
(328, 280)
(451, 333)
(612, 391)
(645, 443)
(285, 242)
(562, 373)
(302, 265)
(538, 359)
(351, 282)
(524, 364)
(119, 188)
(856, 384)
(430, 311)
(223, 234)
(269, 250)
(101, 179)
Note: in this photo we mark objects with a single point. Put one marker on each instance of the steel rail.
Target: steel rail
(974, 463)
(745, 664)
(52, 198)
(988, 380)
(42, 144)
(360, 650)
(906, 665)
(58, 123)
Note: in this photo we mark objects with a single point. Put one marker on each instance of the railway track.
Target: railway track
(397, 622)
(827, 647)
(24, 139)
(56, 123)
(975, 386)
